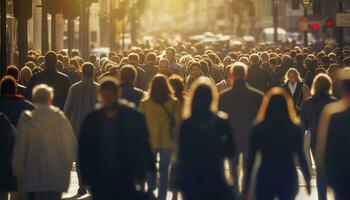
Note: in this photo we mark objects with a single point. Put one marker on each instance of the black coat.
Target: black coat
(141, 79)
(131, 93)
(59, 81)
(260, 79)
(337, 160)
(151, 70)
(241, 103)
(311, 112)
(204, 142)
(7, 140)
(114, 149)
(13, 106)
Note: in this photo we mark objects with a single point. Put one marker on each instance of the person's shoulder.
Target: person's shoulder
(222, 116)
(255, 91)
(63, 76)
(224, 94)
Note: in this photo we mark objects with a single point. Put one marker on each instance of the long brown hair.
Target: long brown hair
(160, 90)
(277, 105)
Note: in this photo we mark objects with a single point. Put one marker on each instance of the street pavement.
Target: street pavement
(302, 195)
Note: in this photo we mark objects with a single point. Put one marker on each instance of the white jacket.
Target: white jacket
(44, 151)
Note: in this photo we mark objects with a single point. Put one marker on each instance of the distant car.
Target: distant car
(266, 35)
(299, 37)
(98, 51)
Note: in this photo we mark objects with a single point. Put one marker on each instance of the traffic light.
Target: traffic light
(328, 24)
(315, 26)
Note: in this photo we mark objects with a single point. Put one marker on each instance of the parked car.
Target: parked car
(266, 35)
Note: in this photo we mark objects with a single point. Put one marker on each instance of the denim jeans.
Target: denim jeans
(165, 156)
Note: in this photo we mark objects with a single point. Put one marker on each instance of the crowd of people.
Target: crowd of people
(177, 119)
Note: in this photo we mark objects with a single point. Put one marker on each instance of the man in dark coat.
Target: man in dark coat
(13, 71)
(11, 104)
(258, 77)
(50, 76)
(114, 148)
(141, 81)
(150, 67)
(7, 141)
(241, 103)
(131, 93)
(334, 141)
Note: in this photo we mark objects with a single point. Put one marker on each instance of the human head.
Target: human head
(177, 83)
(88, 70)
(160, 90)
(108, 92)
(254, 59)
(322, 83)
(164, 67)
(128, 74)
(203, 97)
(42, 94)
(151, 58)
(238, 71)
(170, 53)
(277, 105)
(195, 70)
(12, 71)
(25, 74)
(204, 67)
(8, 86)
(50, 61)
(93, 58)
(292, 76)
(133, 59)
(344, 76)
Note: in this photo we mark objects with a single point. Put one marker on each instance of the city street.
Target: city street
(302, 195)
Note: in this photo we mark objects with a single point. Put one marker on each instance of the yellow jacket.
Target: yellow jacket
(158, 122)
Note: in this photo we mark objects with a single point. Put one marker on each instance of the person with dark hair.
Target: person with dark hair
(7, 141)
(178, 86)
(276, 173)
(241, 102)
(114, 149)
(50, 76)
(195, 72)
(295, 86)
(128, 76)
(150, 66)
(258, 77)
(321, 92)
(164, 67)
(174, 66)
(205, 141)
(45, 148)
(11, 104)
(163, 114)
(311, 66)
(70, 70)
(333, 141)
(141, 81)
(13, 71)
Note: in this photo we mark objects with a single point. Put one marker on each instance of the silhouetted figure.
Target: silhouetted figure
(258, 77)
(333, 142)
(241, 103)
(205, 141)
(177, 83)
(164, 67)
(311, 111)
(150, 66)
(295, 87)
(141, 80)
(276, 174)
(311, 66)
(163, 114)
(114, 148)
(45, 148)
(11, 104)
(195, 72)
(7, 141)
(174, 66)
(13, 71)
(128, 76)
(53, 78)
(81, 100)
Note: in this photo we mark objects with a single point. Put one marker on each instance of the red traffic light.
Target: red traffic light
(329, 24)
(315, 26)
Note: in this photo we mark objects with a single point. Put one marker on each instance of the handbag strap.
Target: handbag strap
(170, 116)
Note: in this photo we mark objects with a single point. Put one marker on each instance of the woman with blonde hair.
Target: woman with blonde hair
(295, 86)
(205, 140)
(321, 92)
(276, 175)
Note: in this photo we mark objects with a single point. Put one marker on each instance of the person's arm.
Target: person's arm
(20, 147)
(69, 139)
(68, 104)
(301, 157)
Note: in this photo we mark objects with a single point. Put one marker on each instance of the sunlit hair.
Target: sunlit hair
(277, 105)
(42, 94)
(177, 83)
(160, 90)
(296, 72)
(195, 98)
(322, 83)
